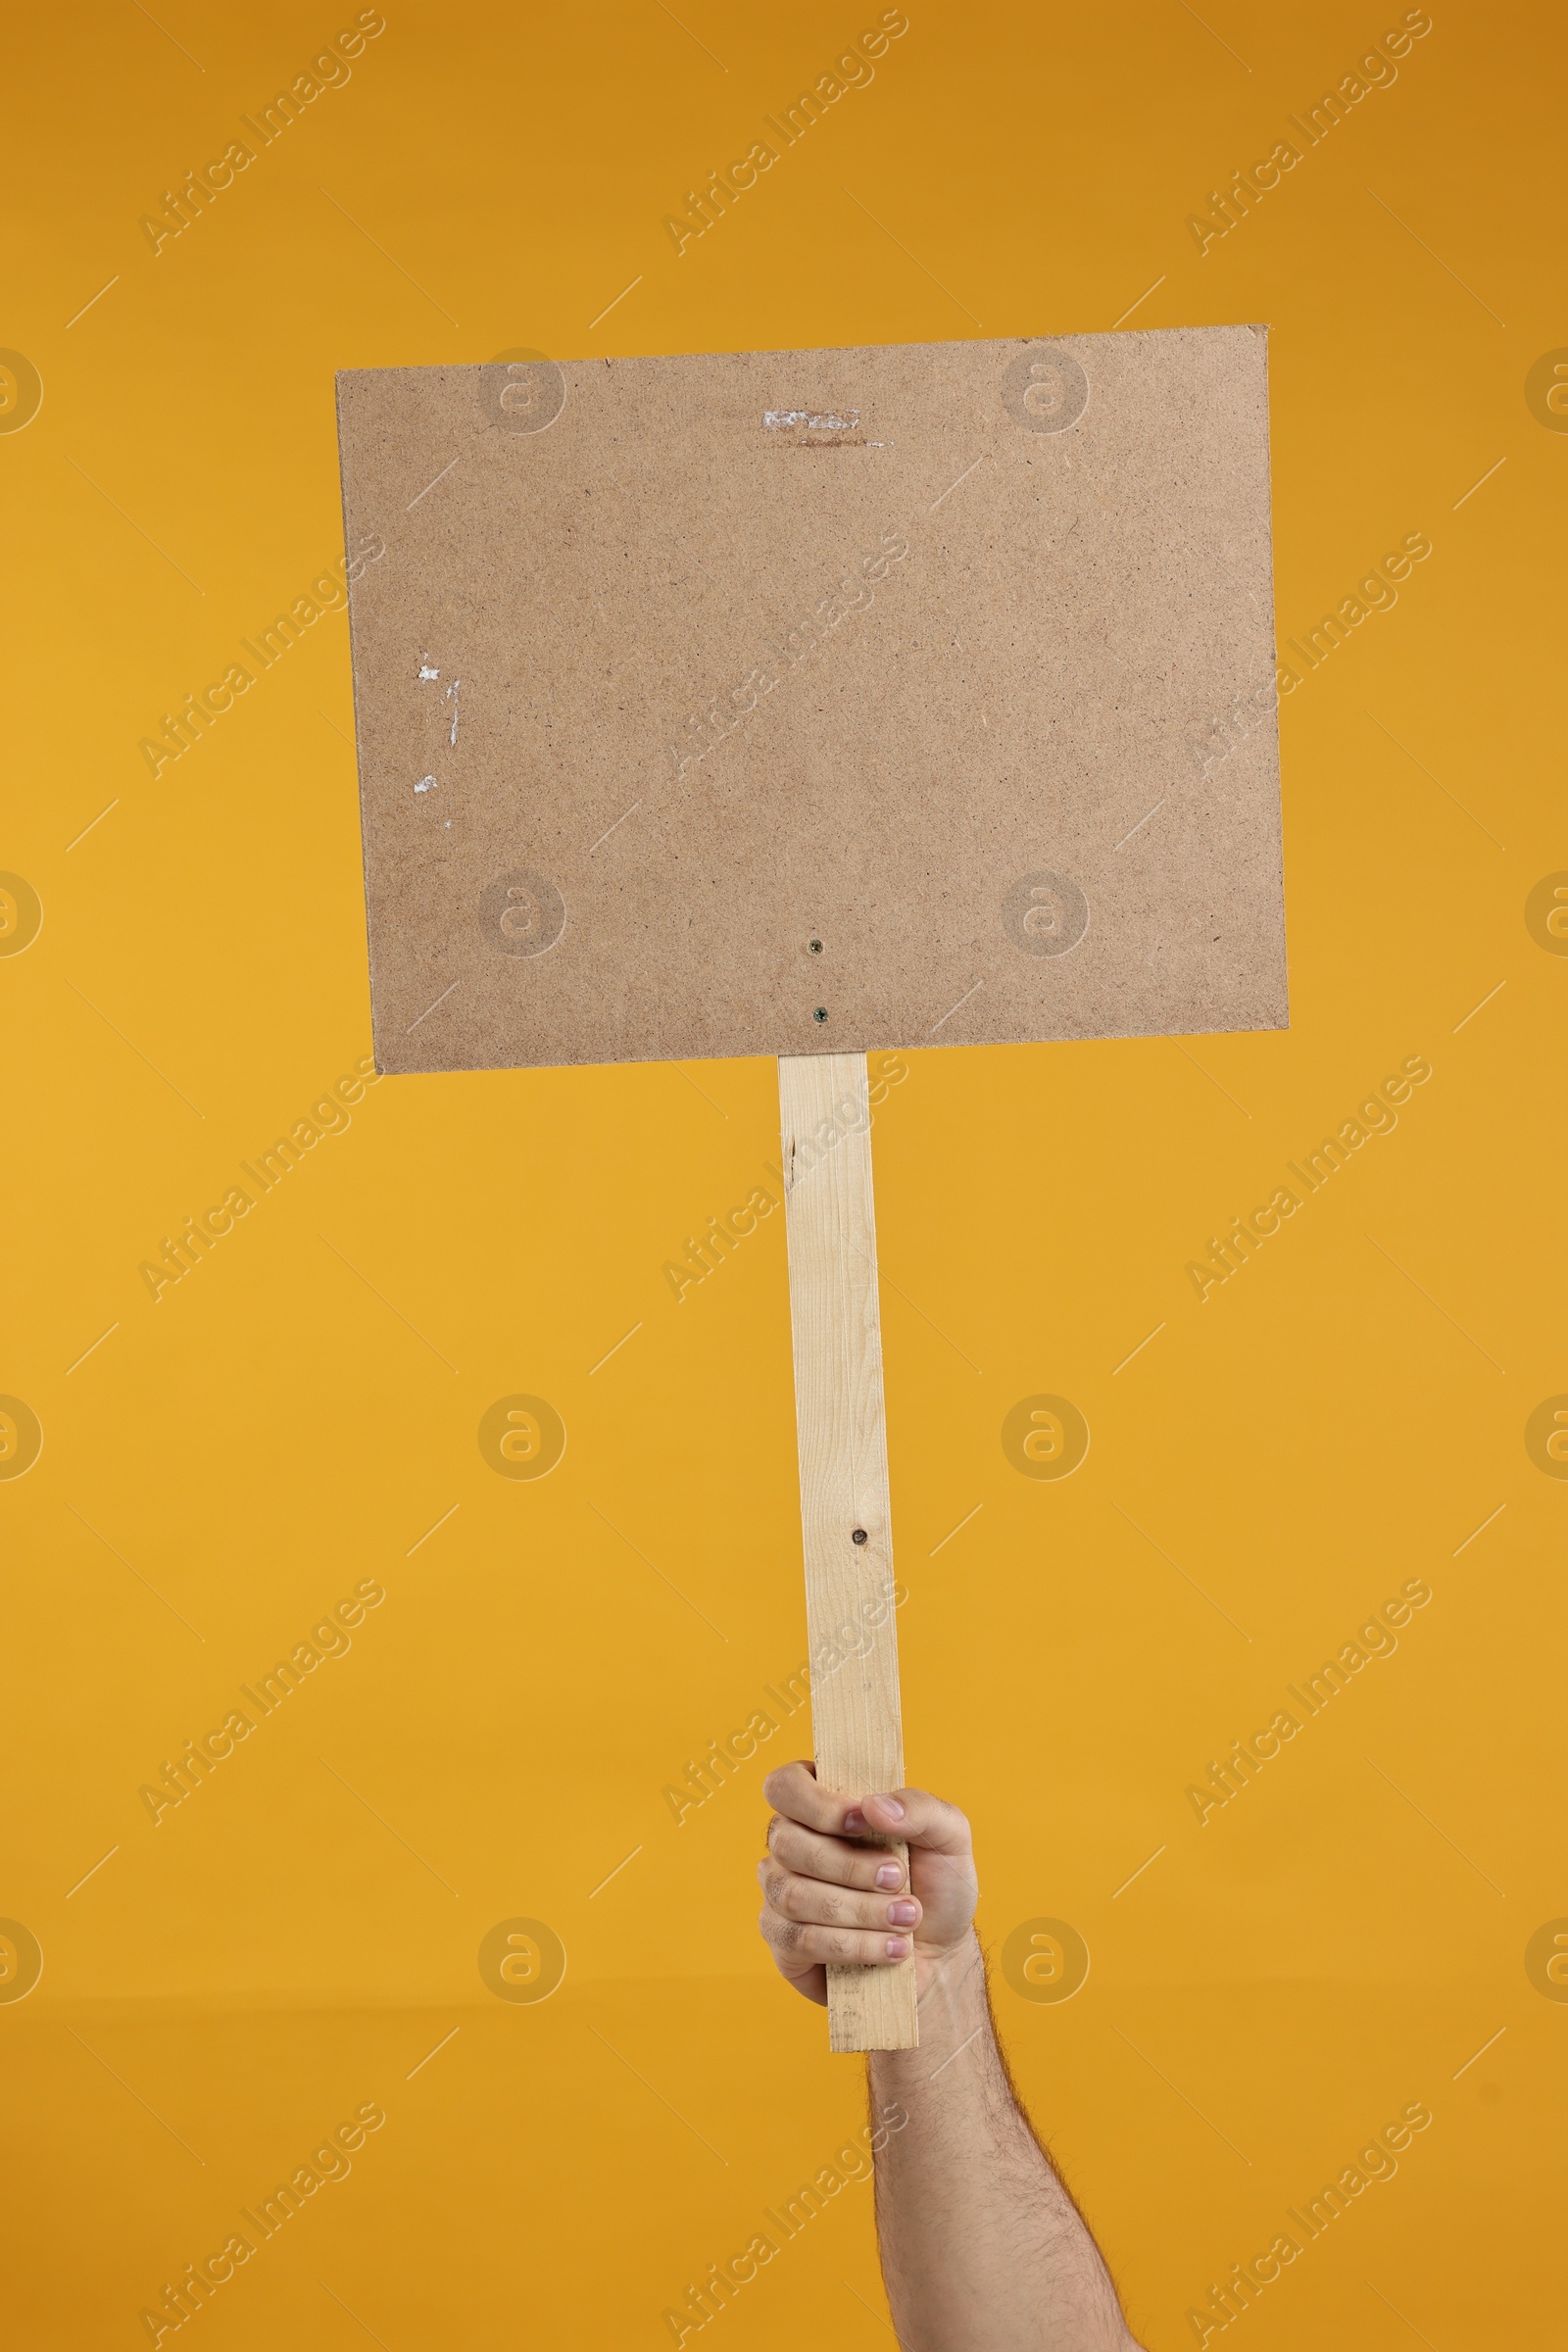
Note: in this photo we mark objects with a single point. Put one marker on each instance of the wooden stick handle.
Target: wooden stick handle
(830, 1215)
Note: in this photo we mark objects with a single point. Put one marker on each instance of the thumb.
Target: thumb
(915, 1816)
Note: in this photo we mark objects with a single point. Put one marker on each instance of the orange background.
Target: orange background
(224, 1987)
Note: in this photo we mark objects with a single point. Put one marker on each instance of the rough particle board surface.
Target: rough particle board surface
(794, 702)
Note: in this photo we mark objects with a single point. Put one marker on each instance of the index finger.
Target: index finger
(794, 1791)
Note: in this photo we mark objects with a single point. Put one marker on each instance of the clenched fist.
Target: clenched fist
(829, 1897)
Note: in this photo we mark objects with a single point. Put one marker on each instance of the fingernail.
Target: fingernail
(889, 1875)
(854, 1822)
(903, 1915)
(898, 1947)
(893, 1806)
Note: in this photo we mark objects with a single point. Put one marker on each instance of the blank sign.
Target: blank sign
(801, 701)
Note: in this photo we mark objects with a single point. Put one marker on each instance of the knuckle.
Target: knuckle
(837, 1944)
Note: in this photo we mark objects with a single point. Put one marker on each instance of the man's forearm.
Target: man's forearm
(982, 2248)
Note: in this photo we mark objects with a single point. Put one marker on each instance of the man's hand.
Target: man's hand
(829, 1897)
(983, 2250)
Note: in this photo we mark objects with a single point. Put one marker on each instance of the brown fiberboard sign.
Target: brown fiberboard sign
(816, 701)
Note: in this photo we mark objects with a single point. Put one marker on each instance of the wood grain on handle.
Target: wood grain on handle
(830, 1215)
